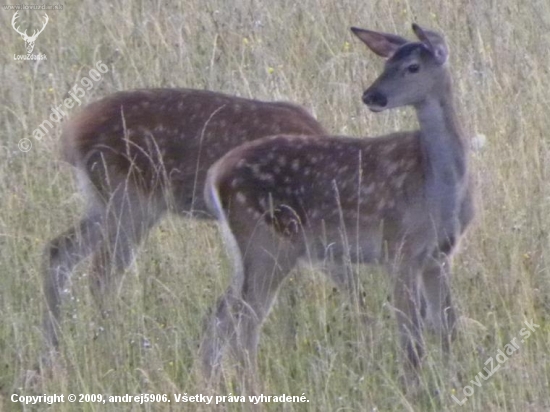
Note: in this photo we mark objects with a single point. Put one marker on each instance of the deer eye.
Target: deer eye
(413, 68)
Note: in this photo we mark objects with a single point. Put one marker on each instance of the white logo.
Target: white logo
(29, 40)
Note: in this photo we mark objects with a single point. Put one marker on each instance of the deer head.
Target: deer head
(29, 40)
(411, 71)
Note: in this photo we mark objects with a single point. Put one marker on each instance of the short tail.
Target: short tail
(214, 205)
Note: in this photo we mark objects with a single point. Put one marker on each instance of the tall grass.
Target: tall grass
(302, 52)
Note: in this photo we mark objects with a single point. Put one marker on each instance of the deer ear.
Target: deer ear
(383, 44)
(435, 43)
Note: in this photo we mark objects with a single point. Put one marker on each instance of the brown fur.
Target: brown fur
(139, 154)
(401, 200)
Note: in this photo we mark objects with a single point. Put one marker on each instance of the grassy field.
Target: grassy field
(312, 343)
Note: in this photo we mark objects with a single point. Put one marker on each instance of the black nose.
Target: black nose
(374, 98)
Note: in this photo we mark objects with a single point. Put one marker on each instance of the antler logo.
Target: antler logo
(29, 40)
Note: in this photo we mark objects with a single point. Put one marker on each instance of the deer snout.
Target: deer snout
(375, 100)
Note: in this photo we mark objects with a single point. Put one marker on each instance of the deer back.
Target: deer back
(321, 183)
(169, 137)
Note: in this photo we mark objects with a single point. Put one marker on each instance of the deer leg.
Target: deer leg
(264, 275)
(440, 312)
(129, 220)
(62, 254)
(407, 307)
(243, 308)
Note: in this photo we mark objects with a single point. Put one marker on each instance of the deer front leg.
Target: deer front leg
(407, 307)
(440, 313)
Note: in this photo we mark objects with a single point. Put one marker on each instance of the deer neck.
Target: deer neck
(443, 148)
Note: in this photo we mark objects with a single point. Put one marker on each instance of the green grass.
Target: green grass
(312, 343)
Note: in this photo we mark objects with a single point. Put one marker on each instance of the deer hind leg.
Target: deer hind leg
(129, 218)
(240, 312)
(440, 313)
(62, 254)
